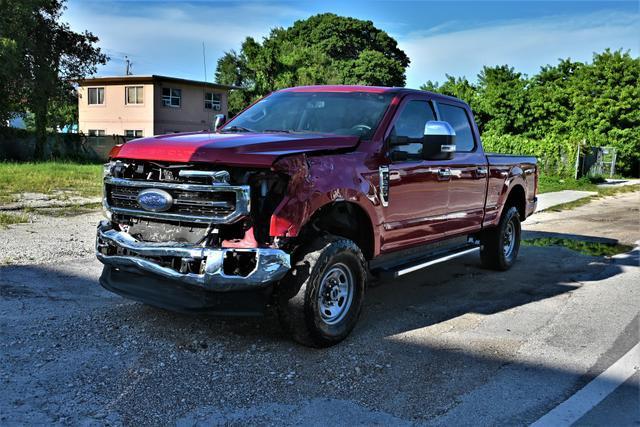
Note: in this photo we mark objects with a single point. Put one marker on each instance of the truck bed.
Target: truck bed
(510, 159)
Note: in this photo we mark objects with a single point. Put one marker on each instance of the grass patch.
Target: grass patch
(46, 177)
(582, 246)
(12, 218)
(549, 183)
(71, 210)
(602, 192)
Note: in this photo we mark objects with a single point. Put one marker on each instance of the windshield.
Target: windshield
(350, 113)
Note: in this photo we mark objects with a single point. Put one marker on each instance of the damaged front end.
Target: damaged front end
(186, 236)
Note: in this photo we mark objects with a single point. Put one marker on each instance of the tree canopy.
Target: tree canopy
(45, 57)
(323, 49)
(563, 104)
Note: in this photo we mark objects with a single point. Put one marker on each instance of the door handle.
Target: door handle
(482, 171)
(444, 173)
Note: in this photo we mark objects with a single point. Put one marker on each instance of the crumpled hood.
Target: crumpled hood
(234, 149)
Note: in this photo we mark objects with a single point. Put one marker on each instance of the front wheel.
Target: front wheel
(319, 300)
(500, 245)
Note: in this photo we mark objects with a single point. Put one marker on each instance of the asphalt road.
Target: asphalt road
(452, 345)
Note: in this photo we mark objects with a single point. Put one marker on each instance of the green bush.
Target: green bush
(556, 155)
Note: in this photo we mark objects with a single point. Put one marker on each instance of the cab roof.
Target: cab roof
(368, 89)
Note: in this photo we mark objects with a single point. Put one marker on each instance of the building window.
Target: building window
(133, 133)
(134, 95)
(212, 101)
(96, 95)
(96, 132)
(171, 97)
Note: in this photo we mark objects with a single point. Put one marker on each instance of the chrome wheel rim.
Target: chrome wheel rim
(509, 239)
(335, 294)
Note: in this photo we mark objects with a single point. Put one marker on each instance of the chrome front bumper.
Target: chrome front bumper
(120, 250)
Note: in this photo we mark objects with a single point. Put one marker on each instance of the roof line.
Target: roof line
(151, 78)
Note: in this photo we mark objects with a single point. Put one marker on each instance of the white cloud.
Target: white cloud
(523, 44)
(166, 38)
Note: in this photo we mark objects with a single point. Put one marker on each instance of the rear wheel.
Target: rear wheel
(500, 245)
(319, 300)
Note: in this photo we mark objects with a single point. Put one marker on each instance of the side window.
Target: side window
(457, 118)
(408, 131)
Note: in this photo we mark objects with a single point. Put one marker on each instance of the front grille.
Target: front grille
(198, 203)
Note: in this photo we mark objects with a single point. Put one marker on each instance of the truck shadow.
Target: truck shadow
(451, 290)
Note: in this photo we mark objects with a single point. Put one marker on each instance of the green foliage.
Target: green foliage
(66, 178)
(583, 246)
(548, 183)
(323, 49)
(47, 56)
(556, 154)
(563, 105)
(7, 218)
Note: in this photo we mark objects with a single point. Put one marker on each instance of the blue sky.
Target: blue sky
(454, 37)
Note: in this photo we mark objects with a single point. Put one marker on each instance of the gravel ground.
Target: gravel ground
(453, 345)
(49, 239)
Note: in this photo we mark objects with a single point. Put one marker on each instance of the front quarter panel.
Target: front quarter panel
(316, 181)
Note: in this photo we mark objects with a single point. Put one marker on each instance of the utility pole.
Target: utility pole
(128, 71)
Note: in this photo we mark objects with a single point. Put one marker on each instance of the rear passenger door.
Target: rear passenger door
(469, 171)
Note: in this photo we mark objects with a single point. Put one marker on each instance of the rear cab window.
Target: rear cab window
(460, 122)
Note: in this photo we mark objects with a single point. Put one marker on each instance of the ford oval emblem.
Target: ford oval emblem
(155, 200)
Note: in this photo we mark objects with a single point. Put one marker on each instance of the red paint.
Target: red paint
(325, 169)
(342, 88)
(248, 241)
(234, 149)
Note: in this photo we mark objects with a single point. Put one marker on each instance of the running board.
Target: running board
(427, 262)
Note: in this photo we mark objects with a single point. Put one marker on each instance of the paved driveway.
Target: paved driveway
(454, 344)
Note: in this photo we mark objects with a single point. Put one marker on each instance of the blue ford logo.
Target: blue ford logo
(155, 200)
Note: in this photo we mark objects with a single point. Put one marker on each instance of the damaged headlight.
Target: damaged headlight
(107, 168)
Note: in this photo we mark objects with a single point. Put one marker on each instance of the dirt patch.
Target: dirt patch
(616, 218)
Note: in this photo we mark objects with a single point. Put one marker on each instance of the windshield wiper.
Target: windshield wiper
(236, 129)
(276, 131)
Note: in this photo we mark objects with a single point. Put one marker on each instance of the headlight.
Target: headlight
(107, 168)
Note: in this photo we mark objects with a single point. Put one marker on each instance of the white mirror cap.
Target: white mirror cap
(438, 128)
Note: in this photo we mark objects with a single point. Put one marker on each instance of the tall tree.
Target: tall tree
(502, 95)
(606, 105)
(598, 102)
(50, 55)
(323, 49)
(461, 88)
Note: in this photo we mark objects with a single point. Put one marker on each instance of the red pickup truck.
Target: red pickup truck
(303, 196)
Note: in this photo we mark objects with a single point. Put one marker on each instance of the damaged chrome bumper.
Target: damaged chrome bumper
(120, 250)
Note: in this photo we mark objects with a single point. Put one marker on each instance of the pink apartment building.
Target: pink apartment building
(137, 106)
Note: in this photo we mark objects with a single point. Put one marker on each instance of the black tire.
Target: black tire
(321, 266)
(497, 250)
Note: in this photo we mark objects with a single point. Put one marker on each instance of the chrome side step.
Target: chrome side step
(434, 261)
(400, 269)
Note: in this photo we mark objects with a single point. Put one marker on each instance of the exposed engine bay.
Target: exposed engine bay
(203, 204)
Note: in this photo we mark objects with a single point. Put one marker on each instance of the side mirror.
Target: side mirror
(219, 120)
(439, 141)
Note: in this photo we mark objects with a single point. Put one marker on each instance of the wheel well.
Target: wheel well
(343, 219)
(517, 198)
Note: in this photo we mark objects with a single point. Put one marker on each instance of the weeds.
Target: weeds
(582, 246)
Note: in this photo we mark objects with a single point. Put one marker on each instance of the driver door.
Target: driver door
(418, 191)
